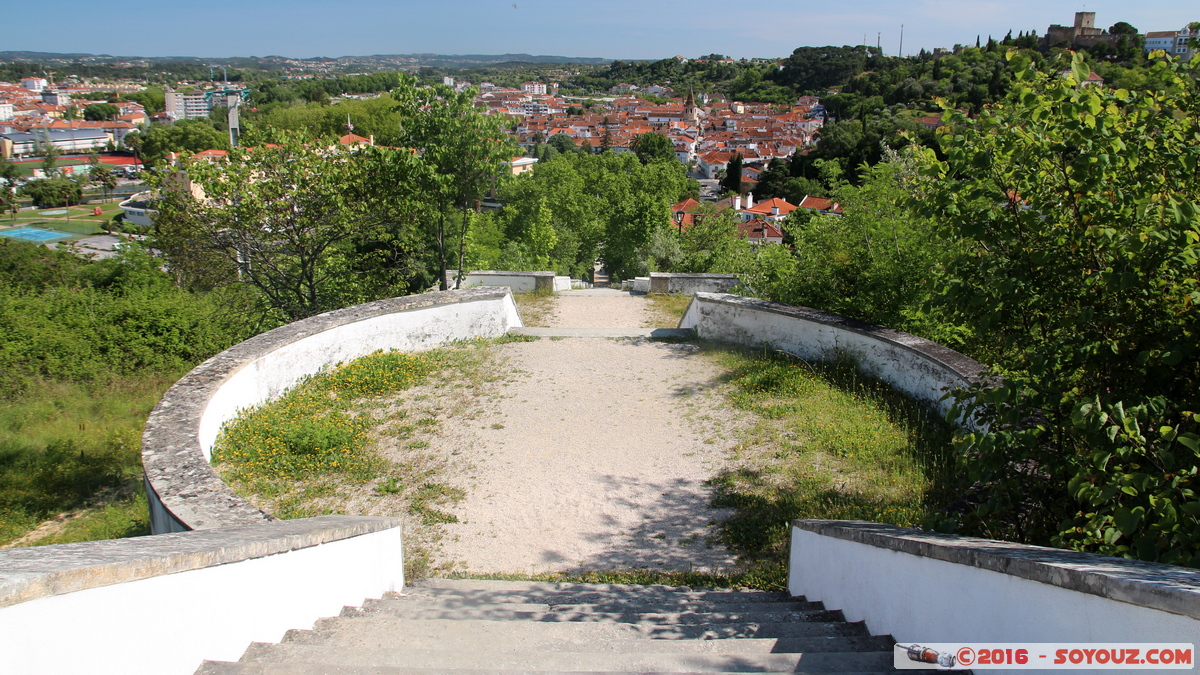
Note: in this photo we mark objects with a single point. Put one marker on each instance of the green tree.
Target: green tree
(464, 152)
(732, 182)
(294, 221)
(99, 112)
(57, 191)
(563, 143)
(182, 136)
(8, 188)
(1080, 208)
(607, 205)
(135, 141)
(152, 99)
(653, 147)
(44, 145)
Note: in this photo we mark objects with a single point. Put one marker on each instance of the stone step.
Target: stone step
(226, 668)
(400, 656)
(598, 596)
(488, 636)
(454, 603)
(567, 587)
(583, 629)
(683, 618)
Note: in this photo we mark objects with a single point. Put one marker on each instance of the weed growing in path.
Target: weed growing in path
(765, 577)
(536, 308)
(667, 310)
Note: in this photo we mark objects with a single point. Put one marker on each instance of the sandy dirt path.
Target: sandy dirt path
(594, 455)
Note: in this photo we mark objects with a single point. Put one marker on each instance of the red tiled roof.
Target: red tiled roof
(685, 205)
(759, 229)
(820, 204)
(765, 207)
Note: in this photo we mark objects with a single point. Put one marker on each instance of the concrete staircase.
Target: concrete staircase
(509, 627)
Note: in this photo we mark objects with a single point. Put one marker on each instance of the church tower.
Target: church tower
(690, 114)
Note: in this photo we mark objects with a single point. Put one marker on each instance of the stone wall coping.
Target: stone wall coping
(1154, 585)
(40, 571)
(690, 275)
(966, 367)
(174, 463)
(504, 273)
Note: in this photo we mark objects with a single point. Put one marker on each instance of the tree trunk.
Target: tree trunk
(462, 248)
(441, 241)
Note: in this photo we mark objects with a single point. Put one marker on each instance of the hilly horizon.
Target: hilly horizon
(419, 59)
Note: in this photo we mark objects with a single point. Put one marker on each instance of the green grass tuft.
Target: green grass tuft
(830, 444)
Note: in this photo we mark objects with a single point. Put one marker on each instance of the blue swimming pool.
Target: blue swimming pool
(35, 234)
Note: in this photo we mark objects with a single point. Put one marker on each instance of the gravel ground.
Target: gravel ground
(592, 455)
(598, 308)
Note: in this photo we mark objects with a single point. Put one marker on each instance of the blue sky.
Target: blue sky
(628, 29)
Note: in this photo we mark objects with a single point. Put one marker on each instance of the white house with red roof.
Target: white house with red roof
(771, 210)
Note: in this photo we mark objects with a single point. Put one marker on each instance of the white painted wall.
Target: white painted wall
(169, 624)
(904, 369)
(562, 284)
(425, 328)
(518, 283)
(922, 600)
(641, 284)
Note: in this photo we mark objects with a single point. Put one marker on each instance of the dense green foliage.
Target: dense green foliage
(309, 229)
(67, 319)
(1080, 207)
(373, 117)
(100, 112)
(57, 191)
(578, 207)
(88, 348)
(182, 136)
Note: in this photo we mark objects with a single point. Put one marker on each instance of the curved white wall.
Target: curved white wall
(184, 491)
(921, 369)
(271, 374)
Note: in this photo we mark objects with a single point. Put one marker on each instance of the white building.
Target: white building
(533, 88)
(6, 111)
(56, 97)
(34, 84)
(1172, 42)
(26, 143)
(188, 106)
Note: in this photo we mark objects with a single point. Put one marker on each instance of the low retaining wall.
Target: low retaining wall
(689, 284)
(184, 491)
(161, 605)
(925, 587)
(519, 282)
(923, 370)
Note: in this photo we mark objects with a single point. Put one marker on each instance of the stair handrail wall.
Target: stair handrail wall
(924, 587)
